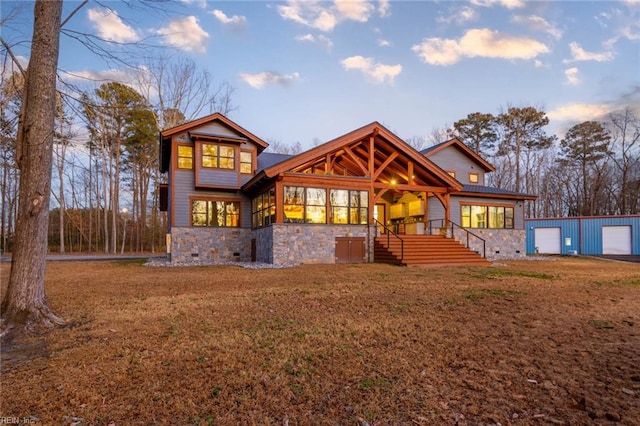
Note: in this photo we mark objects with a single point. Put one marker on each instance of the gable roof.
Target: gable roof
(457, 143)
(373, 129)
(165, 135)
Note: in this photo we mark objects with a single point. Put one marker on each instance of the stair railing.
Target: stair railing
(389, 233)
(453, 226)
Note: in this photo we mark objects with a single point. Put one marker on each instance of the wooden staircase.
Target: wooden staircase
(425, 250)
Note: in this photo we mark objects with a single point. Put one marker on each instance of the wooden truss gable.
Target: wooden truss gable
(373, 153)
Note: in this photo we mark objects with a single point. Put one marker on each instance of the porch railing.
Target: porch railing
(389, 233)
(452, 226)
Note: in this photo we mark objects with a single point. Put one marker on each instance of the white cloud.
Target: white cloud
(261, 79)
(579, 112)
(384, 8)
(234, 21)
(120, 76)
(477, 42)
(325, 16)
(539, 64)
(355, 10)
(573, 79)
(538, 23)
(320, 40)
(509, 4)
(579, 54)
(110, 26)
(8, 67)
(200, 3)
(460, 16)
(379, 73)
(185, 34)
(384, 43)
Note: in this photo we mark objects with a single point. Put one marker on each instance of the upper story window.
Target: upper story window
(474, 178)
(185, 157)
(246, 162)
(452, 174)
(218, 156)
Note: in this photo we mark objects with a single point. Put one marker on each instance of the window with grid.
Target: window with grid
(349, 207)
(185, 157)
(246, 162)
(305, 205)
(263, 210)
(215, 213)
(218, 156)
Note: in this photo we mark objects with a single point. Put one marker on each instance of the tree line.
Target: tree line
(593, 169)
(105, 156)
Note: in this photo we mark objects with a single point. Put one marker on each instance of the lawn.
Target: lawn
(523, 342)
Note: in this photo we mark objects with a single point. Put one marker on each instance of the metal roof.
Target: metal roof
(481, 189)
(268, 159)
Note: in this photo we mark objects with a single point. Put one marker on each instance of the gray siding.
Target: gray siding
(518, 209)
(217, 129)
(451, 159)
(436, 209)
(217, 177)
(184, 189)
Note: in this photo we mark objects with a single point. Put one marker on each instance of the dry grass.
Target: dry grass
(521, 343)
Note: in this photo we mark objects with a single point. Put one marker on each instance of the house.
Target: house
(364, 196)
(592, 235)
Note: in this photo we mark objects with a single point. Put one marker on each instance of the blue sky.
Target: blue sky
(305, 70)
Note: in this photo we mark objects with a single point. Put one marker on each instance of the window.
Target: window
(309, 205)
(305, 205)
(264, 209)
(246, 162)
(486, 217)
(185, 157)
(474, 178)
(452, 174)
(215, 213)
(349, 207)
(218, 156)
(315, 205)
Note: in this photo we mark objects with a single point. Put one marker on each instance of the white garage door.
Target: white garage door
(616, 240)
(547, 240)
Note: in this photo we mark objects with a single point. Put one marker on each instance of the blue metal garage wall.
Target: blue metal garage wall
(569, 228)
(585, 232)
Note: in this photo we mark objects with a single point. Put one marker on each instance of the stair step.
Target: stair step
(425, 250)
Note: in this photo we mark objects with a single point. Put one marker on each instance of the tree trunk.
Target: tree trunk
(25, 303)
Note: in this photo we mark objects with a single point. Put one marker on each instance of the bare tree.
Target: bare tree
(624, 127)
(278, 147)
(25, 303)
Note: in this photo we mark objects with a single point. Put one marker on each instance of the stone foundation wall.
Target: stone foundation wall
(293, 243)
(500, 243)
(210, 244)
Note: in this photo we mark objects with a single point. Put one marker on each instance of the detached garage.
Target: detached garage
(618, 235)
